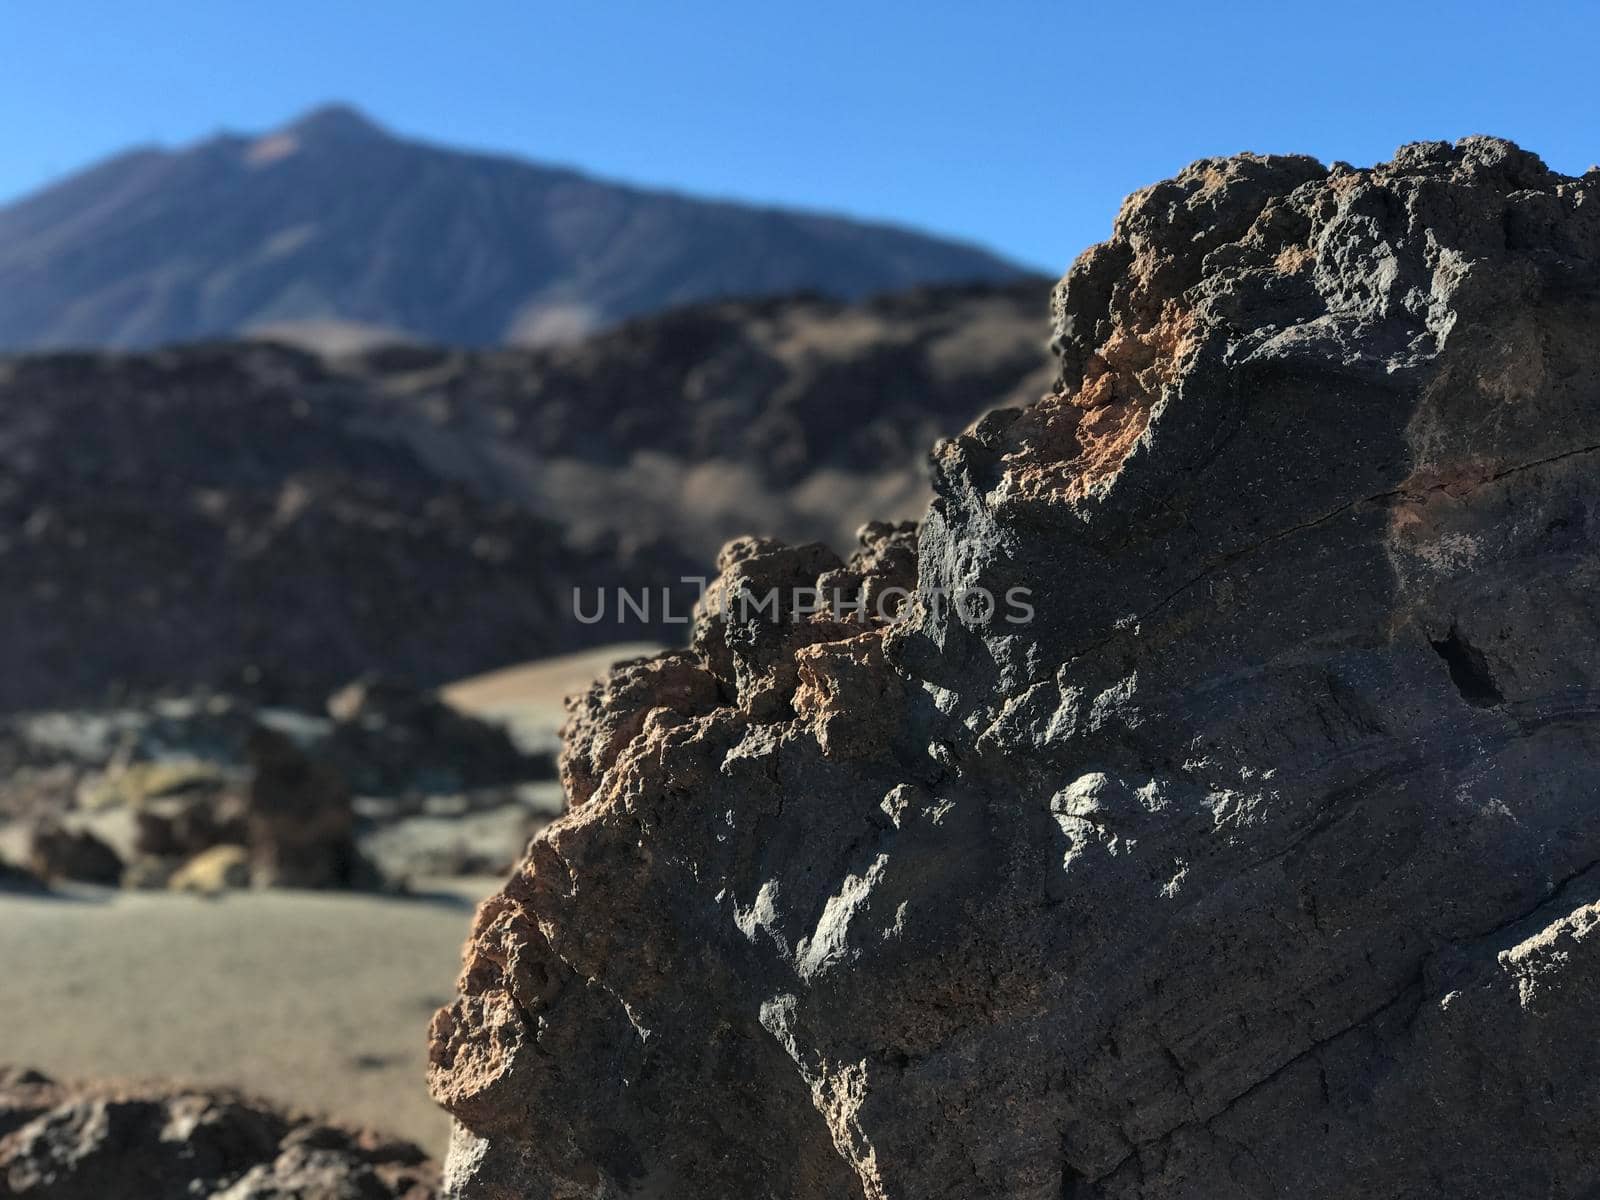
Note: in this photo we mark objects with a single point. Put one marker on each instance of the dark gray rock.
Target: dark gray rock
(59, 853)
(257, 520)
(391, 739)
(15, 880)
(94, 1141)
(1263, 861)
(299, 820)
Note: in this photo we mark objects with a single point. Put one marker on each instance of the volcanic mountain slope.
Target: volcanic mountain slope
(798, 417)
(248, 515)
(333, 219)
(1263, 862)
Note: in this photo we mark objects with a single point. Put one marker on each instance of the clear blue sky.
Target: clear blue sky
(1019, 124)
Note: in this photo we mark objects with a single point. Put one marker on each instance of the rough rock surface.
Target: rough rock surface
(253, 519)
(1262, 862)
(99, 1141)
(299, 816)
(58, 853)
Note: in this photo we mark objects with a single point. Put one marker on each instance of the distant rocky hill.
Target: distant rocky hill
(251, 516)
(333, 220)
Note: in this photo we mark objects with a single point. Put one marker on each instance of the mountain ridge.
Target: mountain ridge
(333, 217)
(248, 515)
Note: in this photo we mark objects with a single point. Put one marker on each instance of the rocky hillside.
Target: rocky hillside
(249, 516)
(332, 219)
(1260, 862)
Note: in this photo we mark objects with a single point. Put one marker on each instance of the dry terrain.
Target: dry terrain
(319, 1000)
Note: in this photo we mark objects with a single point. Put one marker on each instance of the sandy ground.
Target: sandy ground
(317, 1000)
(529, 698)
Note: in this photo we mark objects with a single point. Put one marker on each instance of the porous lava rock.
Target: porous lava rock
(96, 1141)
(57, 853)
(1261, 859)
(299, 818)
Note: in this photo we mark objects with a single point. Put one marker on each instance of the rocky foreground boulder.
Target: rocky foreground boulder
(1262, 861)
(99, 1141)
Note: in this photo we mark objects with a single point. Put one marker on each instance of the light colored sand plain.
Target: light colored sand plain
(318, 1000)
(529, 698)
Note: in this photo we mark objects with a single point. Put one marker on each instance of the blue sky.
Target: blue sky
(1018, 124)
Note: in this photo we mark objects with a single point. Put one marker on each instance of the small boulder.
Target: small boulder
(14, 880)
(299, 820)
(150, 873)
(183, 826)
(392, 739)
(56, 852)
(94, 1141)
(212, 871)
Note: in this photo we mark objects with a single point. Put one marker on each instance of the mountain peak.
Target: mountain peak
(335, 121)
(284, 214)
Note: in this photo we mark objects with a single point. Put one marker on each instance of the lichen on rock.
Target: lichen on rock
(1262, 861)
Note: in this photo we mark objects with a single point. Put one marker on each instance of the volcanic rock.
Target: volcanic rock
(213, 871)
(393, 739)
(1256, 857)
(14, 879)
(178, 827)
(299, 820)
(56, 852)
(95, 1141)
(252, 519)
